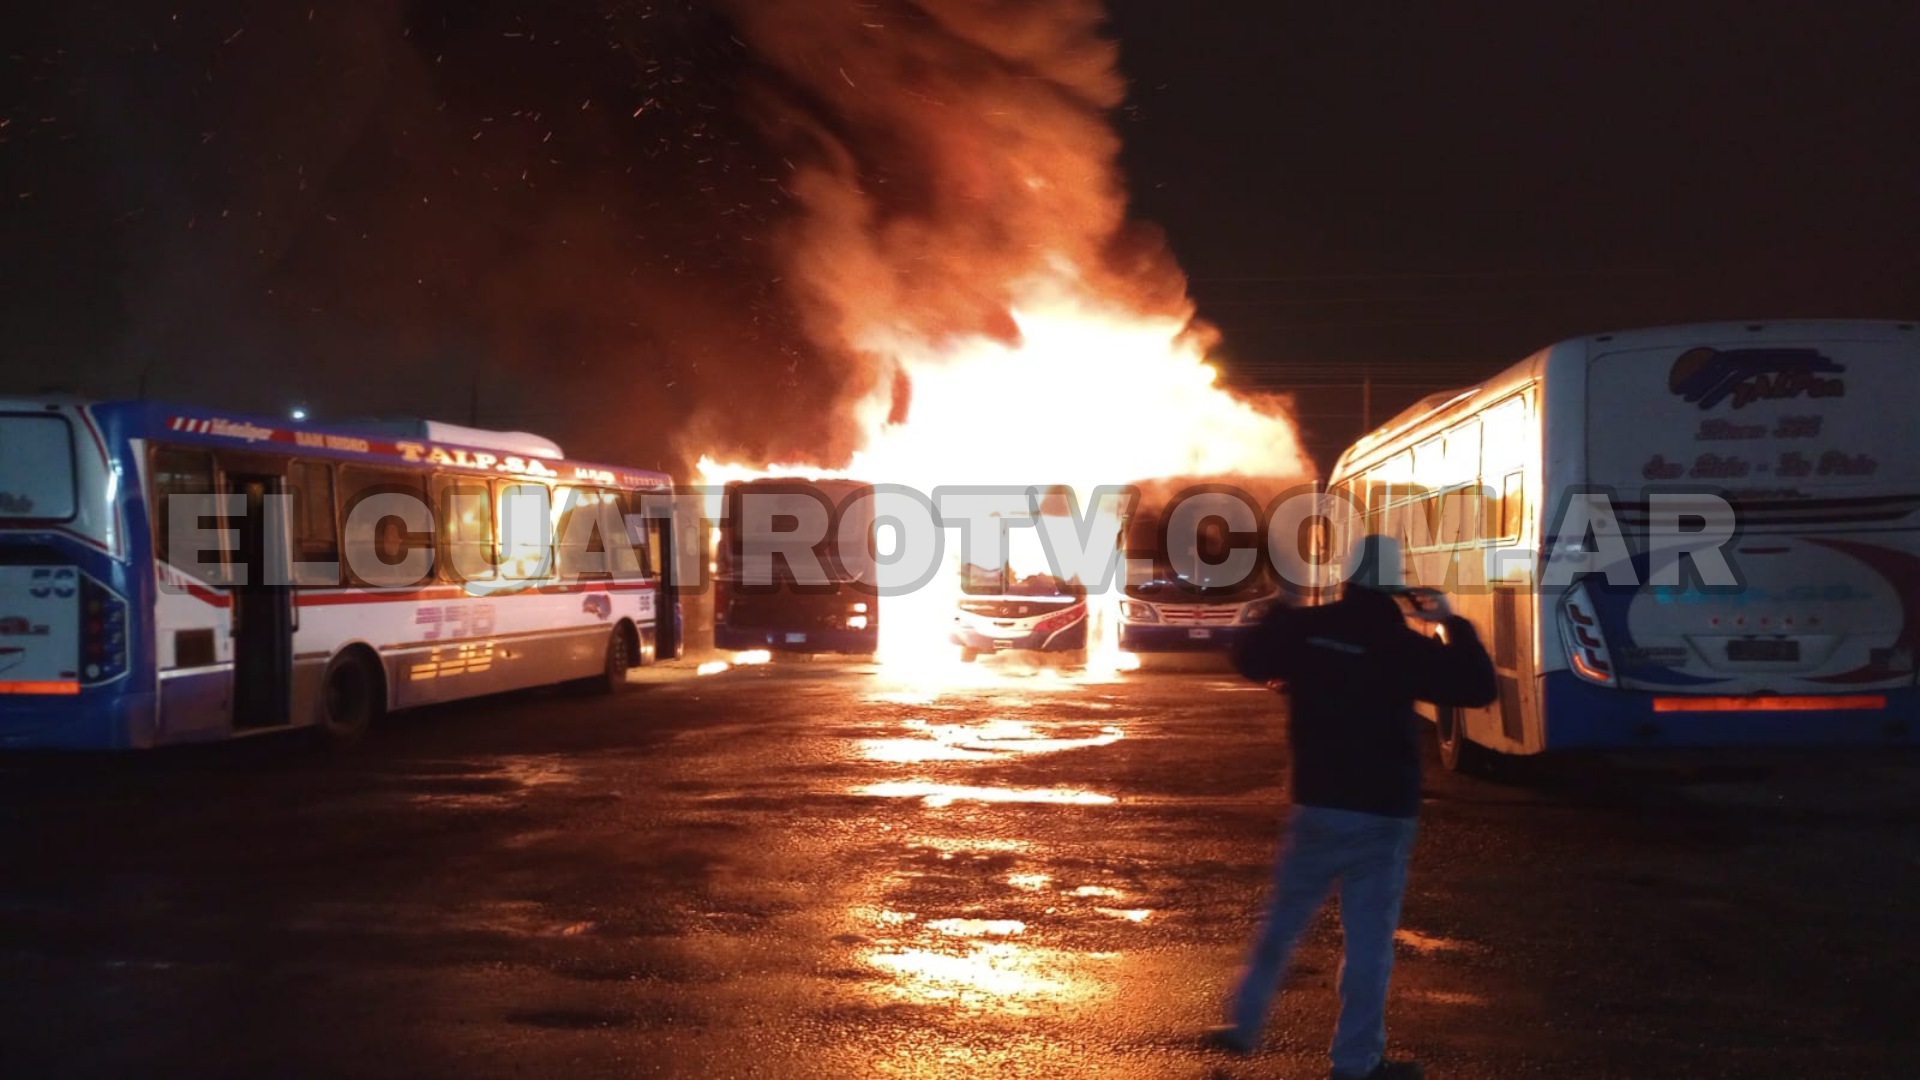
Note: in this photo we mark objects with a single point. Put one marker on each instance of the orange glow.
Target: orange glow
(1000, 972)
(1580, 663)
(40, 686)
(1790, 703)
(981, 742)
(947, 794)
(1091, 393)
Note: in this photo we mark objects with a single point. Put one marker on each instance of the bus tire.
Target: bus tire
(352, 696)
(623, 648)
(1457, 752)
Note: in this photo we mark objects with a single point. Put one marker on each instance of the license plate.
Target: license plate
(1199, 635)
(1763, 650)
(796, 639)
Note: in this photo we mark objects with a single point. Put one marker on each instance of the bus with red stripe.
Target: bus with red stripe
(173, 575)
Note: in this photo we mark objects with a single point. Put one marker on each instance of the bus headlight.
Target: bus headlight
(1586, 643)
(1254, 612)
(1138, 611)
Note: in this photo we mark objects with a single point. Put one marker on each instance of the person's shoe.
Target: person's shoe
(1228, 1038)
(1386, 1070)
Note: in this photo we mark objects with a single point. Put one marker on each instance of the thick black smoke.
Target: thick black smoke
(592, 218)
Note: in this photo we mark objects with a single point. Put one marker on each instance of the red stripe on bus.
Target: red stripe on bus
(435, 592)
(1793, 703)
(40, 686)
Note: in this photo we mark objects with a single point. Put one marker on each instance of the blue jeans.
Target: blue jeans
(1366, 856)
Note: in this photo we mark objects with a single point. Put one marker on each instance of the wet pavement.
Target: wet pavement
(813, 870)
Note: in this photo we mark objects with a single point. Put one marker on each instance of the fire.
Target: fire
(1088, 393)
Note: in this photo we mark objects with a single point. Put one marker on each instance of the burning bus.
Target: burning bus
(790, 611)
(1188, 594)
(1025, 601)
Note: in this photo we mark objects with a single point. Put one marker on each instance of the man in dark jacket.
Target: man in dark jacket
(1353, 669)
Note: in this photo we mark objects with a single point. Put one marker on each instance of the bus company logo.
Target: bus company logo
(598, 605)
(512, 464)
(1707, 376)
(21, 626)
(226, 429)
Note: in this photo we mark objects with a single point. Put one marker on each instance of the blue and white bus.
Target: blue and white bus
(1804, 428)
(111, 637)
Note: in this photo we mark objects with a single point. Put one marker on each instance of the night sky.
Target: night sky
(577, 216)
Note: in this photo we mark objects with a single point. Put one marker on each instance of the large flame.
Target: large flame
(1087, 394)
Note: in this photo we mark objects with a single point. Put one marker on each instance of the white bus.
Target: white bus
(304, 603)
(1805, 428)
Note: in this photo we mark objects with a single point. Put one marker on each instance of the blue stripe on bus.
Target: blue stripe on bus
(90, 720)
(1580, 715)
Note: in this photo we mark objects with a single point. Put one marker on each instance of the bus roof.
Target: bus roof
(1441, 406)
(471, 449)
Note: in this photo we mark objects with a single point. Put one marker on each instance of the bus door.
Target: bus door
(666, 605)
(263, 611)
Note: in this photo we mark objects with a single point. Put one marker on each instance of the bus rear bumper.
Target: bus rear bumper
(1581, 715)
(80, 722)
(1150, 638)
(808, 641)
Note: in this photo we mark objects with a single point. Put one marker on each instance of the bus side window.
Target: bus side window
(1376, 505)
(316, 531)
(592, 535)
(646, 556)
(463, 521)
(179, 471)
(526, 530)
(378, 546)
(1513, 505)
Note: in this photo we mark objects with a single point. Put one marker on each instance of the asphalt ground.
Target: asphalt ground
(821, 870)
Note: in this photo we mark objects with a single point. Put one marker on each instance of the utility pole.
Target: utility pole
(1366, 396)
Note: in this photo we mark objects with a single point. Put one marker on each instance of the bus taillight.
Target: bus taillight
(103, 639)
(1586, 643)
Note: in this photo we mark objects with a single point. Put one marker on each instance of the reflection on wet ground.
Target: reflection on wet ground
(797, 871)
(983, 741)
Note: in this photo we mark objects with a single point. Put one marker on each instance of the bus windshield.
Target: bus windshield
(1028, 571)
(36, 467)
(1156, 579)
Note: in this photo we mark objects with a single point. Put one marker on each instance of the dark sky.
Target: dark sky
(563, 212)
(1447, 187)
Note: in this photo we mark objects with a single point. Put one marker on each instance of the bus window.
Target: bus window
(591, 531)
(1457, 514)
(316, 533)
(1504, 442)
(179, 471)
(525, 530)
(463, 522)
(386, 541)
(1513, 508)
(36, 468)
(1376, 504)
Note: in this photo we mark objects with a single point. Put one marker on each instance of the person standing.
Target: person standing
(1352, 670)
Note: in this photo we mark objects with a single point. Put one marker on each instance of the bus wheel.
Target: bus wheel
(351, 698)
(1457, 752)
(620, 656)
